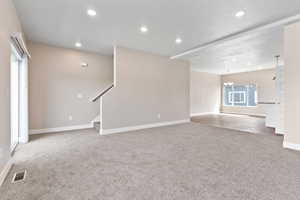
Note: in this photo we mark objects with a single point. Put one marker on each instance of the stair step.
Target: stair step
(97, 126)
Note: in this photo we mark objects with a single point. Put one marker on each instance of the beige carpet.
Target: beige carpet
(181, 162)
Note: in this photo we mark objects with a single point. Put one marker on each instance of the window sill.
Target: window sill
(240, 106)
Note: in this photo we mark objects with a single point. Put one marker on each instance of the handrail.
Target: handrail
(102, 93)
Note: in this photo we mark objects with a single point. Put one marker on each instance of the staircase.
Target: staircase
(97, 126)
(96, 122)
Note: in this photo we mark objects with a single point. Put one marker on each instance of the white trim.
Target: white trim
(204, 113)
(243, 114)
(230, 106)
(23, 101)
(60, 129)
(101, 114)
(115, 66)
(279, 131)
(15, 66)
(242, 33)
(288, 145)
(5, 171)
(96, 119)
(140, 127)
(202, 71)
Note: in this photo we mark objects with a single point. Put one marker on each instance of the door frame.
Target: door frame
(14, 97)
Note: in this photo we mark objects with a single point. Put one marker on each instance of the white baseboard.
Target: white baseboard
(5, 171)
(204, 113)
(245, 114)
(60, 129)
(279, 131)
(291, 146)
(140, 127)
(97, 119)
(23, 140)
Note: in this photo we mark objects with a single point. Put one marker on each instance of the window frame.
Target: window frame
(245, 95)
(231, 97)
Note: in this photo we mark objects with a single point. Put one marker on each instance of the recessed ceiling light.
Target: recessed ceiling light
(78, 44)
(91, 12)
(240, 14)
(144, 29)
(178, 40)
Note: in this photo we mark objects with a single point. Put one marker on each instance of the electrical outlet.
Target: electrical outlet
(70, 117)
(158, 116)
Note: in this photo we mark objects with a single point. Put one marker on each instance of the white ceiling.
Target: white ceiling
(248, 53)
(63, 22)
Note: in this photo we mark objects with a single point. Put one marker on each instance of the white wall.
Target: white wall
(292, 85)
(205, 89)
(56, 78)
(266, 89)
(9, 23)
(147, 85)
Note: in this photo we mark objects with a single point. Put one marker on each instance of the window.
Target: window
(239, 95)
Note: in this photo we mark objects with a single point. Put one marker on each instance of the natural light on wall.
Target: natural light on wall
(239, 95)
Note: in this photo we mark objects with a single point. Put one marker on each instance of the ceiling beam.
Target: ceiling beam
(236, 35)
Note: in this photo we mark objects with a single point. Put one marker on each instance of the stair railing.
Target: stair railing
(100, 94)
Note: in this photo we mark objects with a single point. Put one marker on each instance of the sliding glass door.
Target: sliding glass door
(14, 97)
